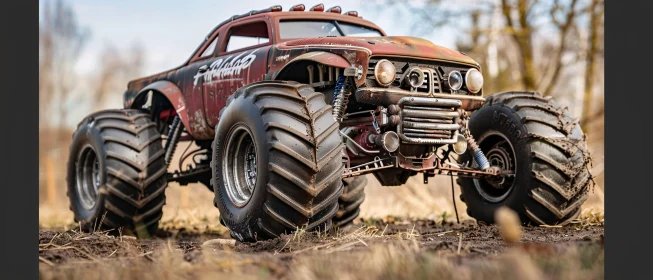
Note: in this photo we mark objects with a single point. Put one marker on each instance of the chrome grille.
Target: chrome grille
(428, 120)
(426, 85)
(431, 82)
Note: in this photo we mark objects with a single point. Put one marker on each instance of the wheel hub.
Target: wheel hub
(501, 156)
(250, 166)
(87, 171)
(239, 169)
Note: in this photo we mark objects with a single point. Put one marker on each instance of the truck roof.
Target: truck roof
(298, 12)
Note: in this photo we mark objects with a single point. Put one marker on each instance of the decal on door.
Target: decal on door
(224, 68)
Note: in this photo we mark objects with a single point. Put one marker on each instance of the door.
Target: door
(190, 81)
(242, 60)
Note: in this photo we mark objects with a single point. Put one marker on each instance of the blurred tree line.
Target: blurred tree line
(63, 92)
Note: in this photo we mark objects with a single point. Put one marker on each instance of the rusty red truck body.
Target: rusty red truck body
(200, 96)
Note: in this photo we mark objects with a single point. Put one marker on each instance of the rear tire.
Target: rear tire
(116, 172)
(548, 152)
(350, 201)
(277, 161)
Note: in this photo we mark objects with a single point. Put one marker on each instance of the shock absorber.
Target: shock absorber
(479, 157)
(340, 98)
(173, 138)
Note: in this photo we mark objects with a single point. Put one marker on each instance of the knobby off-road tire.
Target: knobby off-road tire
(350, 201)
(118, 156)
(550, 154)
(298, 161)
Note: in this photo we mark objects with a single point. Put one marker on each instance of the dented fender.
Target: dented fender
(171, 92)
(325, 58)
(283, 57)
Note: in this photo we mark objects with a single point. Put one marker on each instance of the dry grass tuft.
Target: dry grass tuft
(398, 262)
(590, 217)
(509, 225)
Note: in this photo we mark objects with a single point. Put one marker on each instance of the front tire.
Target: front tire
(350, 201)
(530, 134)
(277, 161)
(116, 172)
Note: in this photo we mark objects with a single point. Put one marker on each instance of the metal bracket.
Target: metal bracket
(375, 165)
(354, 72)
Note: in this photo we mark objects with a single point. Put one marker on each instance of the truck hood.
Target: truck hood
(391, 46)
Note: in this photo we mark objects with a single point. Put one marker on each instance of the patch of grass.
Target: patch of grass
(397, 262)
(590, 217)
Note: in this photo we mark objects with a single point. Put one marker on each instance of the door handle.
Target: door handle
(203, 68)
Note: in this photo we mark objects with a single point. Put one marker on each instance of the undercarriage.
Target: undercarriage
(419, 134)
(417, 128)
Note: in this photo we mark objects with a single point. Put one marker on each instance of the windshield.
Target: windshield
(313, 29)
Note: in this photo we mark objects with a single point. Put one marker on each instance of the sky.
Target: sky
(170, 30)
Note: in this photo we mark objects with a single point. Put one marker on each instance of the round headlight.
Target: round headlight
(384, 72)
(455, 80)
(474, 80)
(414, 77)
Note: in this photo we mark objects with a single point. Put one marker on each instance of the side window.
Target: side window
(247, 35)
(209, 50)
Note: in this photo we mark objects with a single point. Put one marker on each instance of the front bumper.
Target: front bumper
(389, 96)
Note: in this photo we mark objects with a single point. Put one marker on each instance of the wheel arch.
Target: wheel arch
(161, 91)
(295, 69)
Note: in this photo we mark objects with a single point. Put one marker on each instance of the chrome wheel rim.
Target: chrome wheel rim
(499, 152)
(239, 170)
(87, 173)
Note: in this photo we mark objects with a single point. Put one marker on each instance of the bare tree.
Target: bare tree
(61, 40)
(563, 26)
(114, 69)
(519, 27)
(109, 67)
(596, 14)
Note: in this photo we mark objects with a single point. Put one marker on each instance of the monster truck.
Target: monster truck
(289, 109)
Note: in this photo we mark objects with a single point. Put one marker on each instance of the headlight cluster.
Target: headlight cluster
(473, 79)
(385, 73)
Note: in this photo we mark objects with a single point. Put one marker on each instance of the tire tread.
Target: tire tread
(128, 198)
(559, 155)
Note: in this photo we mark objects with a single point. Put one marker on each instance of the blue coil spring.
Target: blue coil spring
(340, 84)
(340, 96)
(481, 160)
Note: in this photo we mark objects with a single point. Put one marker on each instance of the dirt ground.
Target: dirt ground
(407, 232)
(387, 248)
